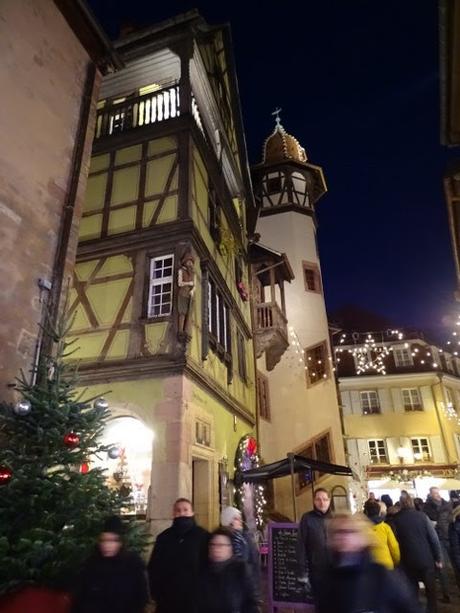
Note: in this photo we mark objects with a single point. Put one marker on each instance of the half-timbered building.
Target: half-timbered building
(160, 292)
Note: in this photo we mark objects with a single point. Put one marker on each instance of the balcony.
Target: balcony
(271, 333)
(137, 112)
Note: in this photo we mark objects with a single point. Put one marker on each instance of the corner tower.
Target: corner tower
(297, 398)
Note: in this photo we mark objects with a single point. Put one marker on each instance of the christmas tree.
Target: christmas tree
(52, 503)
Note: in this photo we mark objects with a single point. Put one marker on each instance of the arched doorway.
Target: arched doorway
(129, 465)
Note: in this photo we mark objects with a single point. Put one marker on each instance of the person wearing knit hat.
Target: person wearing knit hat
(230, 515)
(113, 580)
(243, 544)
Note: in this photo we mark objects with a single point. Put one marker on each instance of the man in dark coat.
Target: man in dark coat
(179, 555)
(420, 549)
(312, 552)
(439, 512)
(113, 580)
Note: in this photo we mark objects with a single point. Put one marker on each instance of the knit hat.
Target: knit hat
(228, 515)
(114, 525)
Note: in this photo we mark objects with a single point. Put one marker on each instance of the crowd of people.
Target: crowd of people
(368, 562)
(377, 560)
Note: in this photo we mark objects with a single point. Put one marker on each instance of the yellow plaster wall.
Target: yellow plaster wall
(431, 421)
(105, 300)
(125, 189)
(131, 398)
(227, 432)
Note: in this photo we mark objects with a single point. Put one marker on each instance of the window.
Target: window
(370, 402)
(202, 433)
(218, 319)
(412, 400)
(402, 356)
(316, 363)
(214, 216)
(161, 286)
(317, 449)
(311, 277)
(421, 449)
(263, 396)
(274, 184)
(241, 349)
(450, 399)
(377, 452)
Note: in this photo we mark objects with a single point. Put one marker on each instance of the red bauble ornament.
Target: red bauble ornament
(71, 439)
(251, 446)
(84, 468)
(5, 475)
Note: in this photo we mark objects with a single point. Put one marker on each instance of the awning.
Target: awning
(282, 468)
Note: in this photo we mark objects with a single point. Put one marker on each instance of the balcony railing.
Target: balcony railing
(137, 112)
(271, 333)
(269, 315)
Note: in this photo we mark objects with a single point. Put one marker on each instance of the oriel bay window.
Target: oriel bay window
(218, 321)
(160, 286)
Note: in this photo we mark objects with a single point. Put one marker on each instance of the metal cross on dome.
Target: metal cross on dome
(276, 114)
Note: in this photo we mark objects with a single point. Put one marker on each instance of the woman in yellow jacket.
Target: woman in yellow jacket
(386, 548)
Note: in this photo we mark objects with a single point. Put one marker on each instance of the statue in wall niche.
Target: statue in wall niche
(186, 285)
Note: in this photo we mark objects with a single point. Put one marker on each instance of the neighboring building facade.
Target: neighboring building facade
(297, 395)
(403, 425)
(162, 311)
(52, 57)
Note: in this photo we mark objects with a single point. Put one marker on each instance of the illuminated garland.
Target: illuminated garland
(246, 457)
(370, 353)
(301, 357)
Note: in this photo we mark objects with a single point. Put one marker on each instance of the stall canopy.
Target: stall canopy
(284, 468)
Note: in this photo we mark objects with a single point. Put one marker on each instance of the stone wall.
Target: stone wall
(42, 78)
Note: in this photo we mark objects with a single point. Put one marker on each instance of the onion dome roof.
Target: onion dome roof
(281, 146)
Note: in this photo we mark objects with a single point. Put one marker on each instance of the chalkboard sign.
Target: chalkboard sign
(286, 590)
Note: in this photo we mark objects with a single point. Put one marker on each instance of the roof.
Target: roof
(281, 146)
(257, 251)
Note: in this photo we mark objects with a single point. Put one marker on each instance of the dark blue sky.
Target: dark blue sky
(358, 84)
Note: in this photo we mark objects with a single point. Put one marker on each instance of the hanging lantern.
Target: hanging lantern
(71, 440)
(22, 408)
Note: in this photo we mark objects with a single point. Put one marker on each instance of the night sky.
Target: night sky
(358, 84)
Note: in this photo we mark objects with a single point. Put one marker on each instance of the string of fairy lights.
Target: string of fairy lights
(314, 367)
(371, 351)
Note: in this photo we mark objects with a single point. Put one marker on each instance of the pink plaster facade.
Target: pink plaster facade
(42, 78)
